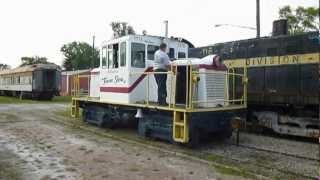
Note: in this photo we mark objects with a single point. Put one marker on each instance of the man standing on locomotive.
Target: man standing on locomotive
(161, 64)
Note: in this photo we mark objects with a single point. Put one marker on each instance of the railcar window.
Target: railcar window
(123, 54)
(171, 53)
(110, 59)
(113, 58)
(138, 51)
(104, 57)
(181, 55)
(151, 50)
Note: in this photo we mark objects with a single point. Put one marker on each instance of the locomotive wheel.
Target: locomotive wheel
(143, 129)
(106, 121)
(255, 126)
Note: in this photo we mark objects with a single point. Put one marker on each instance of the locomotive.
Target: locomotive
(38, 81)
(283, 75)
(123, 92)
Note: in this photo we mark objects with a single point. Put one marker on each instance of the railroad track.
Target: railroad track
(275, 137)
(198, 156)
(275, 152)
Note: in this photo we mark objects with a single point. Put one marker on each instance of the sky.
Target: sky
(41, 27)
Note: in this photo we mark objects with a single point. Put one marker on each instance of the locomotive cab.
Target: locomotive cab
(125, 63)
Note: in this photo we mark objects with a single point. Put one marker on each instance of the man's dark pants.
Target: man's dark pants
(161, 80)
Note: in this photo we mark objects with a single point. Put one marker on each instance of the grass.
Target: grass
(62, 99)
(7, 169)
(15, 100)
(67, 112)
(8, 173)
(232, 171)
(8, 116)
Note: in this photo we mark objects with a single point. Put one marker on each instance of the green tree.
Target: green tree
(33, 60)
(302, 19)
(79, 55)
(121, 29)
(4, 66)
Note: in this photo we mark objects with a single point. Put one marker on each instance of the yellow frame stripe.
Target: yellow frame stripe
(311, 58)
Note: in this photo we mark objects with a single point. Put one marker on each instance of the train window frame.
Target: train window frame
(123, 54)
(151, 52)
(116, 58)
(143, 64)
(171, 53)
(113, 52)
(184, 55)
(109, 59)
(104, 57)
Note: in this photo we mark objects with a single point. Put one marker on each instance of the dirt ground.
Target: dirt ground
(34, 147)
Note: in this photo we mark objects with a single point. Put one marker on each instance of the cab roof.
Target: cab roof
(148, 38)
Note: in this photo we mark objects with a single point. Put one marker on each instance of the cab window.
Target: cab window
(113, 59)
(181, 55)
(171, 53)
(151, 50)
(138, 55)
(123, 54)
(110, 58)
(104, 57)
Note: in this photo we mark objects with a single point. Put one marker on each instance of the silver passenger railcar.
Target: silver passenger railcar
(38, 81)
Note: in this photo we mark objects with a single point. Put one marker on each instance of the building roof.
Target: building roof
(29, 68)
(68, 73)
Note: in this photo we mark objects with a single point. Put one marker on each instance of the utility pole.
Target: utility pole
(258, 17)
(92, 61)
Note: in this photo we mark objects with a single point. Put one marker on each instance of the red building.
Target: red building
(67, 81)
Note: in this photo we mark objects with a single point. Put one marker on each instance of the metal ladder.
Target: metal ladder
(180, 127)
(75, 108)
(75, 93)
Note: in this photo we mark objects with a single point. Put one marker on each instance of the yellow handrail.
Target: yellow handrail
(191, 85)
(75, 89)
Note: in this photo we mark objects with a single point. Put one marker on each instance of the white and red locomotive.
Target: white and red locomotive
(123, 91)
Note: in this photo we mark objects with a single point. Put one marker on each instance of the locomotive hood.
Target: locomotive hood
(207, 62)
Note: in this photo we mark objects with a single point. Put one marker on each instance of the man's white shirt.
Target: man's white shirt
(161, 60)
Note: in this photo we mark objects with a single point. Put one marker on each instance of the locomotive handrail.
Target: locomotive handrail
(172, 71)
(75, 89)
(218, 100)
(233, 83)
(242, 100)
(148, 73)
(191, 74)
(191, 99)
(235, 74)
